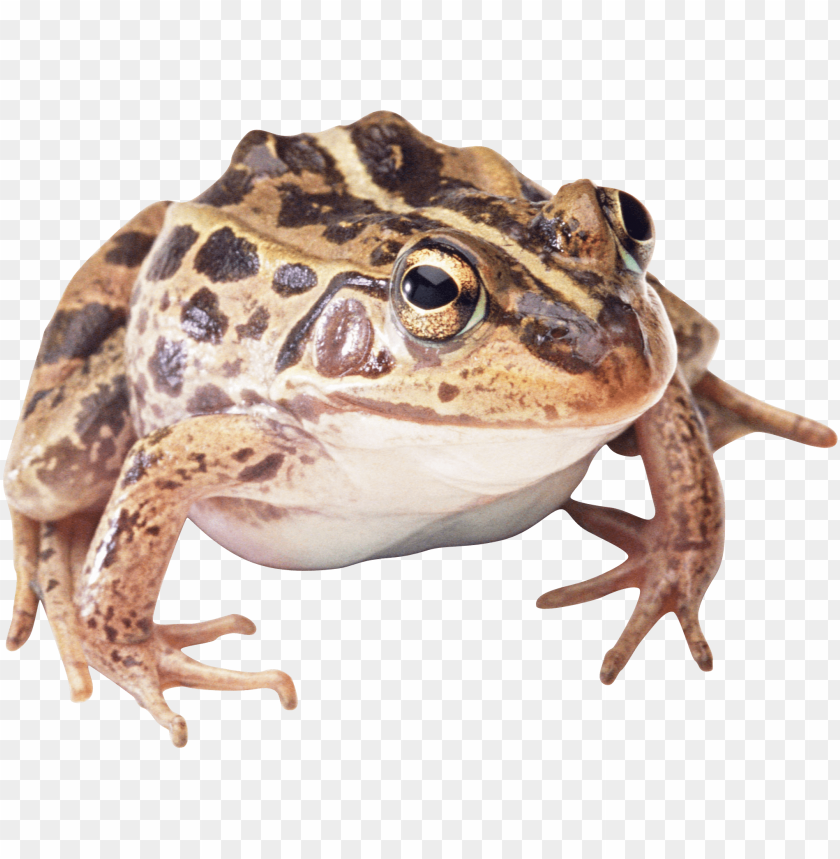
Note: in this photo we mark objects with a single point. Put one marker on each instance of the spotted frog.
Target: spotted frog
(360, 344)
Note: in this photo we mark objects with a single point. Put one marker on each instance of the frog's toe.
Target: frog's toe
(187, 634)
(697, 643)
(178, 669)
(591, 589)
(641, 622)
(165, 716)
(25, 537)
(23, 616)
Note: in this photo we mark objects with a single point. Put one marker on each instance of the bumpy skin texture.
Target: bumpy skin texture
(256, 360)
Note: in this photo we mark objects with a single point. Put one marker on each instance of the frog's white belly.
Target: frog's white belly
(400, 500)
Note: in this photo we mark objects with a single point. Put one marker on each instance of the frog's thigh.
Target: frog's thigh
(74, 430)
(164, 474)
(71, 442)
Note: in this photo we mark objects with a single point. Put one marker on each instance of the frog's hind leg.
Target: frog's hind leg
(731, 414)
(73, 434)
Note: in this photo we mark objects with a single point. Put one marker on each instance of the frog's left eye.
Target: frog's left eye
(437, 293)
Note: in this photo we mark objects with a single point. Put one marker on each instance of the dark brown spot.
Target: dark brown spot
(153, 530)
(164, 302)
(52, 583)
(155, 438)
(293, 279)
(111, 633)
(142, 321)
(377, 365)
(244, 454)
(447, 392)
(201, 459)
(130, 662)
(167, 366)
(250, 397)
(142, 461)
(167, 484)
(255, 327)
(33, 402)
(79, 333)
(202, 319)
(106, 408)
(130, 249)
(168, 258)
(46, 554)
(91, 623)
(226, 257)
(209, 400)
(145, 624)
(140, 387)
(265, 469)
(344, 338)
(124, 532)
(386, 253)
(550, 412)
(231, 369)
(230, 189)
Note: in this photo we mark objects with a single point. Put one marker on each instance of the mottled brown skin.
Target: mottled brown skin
(214, 357)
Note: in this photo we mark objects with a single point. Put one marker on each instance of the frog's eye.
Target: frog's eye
(437, 293)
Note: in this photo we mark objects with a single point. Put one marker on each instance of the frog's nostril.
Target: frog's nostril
(635, 217)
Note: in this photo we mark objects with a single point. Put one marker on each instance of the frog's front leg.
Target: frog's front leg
(164, 474)
(673, 557)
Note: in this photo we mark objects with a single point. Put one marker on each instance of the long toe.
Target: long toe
(178, 669)
(188, 634)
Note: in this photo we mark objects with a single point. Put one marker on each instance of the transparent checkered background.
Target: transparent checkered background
(441, 713)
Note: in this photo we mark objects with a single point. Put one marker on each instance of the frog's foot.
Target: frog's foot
(730, 414)
(669, 577)
(147, 668)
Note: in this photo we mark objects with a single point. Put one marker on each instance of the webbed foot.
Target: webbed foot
(669, 578)
(149, 667)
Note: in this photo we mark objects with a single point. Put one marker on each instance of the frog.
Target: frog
(360, 343)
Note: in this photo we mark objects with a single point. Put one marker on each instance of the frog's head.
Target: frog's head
(542, 316)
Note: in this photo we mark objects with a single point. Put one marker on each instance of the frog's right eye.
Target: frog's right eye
(437, 293)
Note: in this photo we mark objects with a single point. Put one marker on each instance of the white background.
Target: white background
(441, 713)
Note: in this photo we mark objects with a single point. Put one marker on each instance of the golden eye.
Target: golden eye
(437, 293)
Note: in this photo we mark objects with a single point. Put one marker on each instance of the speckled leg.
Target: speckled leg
(73, 434)
(164, 474)
(673, 557)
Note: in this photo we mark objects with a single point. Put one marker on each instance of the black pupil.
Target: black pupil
(429, 287)
(636, 220)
